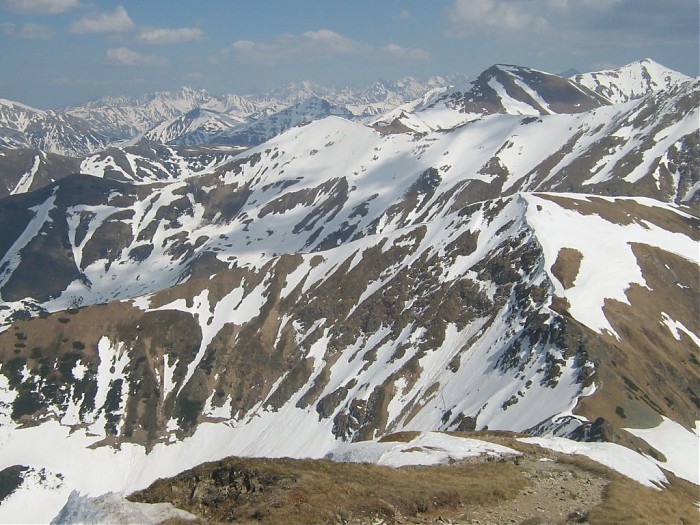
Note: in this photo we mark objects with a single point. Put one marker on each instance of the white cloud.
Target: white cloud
(28, 31)
(404, 14)
(328, 41)
(117, 21)
(36, 32)
(123, 56)
(171, 36)
(406, 53)
(316, 45)
(471, 17)
(38, 6)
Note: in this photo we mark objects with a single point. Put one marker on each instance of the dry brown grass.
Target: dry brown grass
(319, 491)
(400, 437)
(627, 502)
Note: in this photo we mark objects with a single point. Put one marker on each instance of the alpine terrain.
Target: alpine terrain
(392, 276)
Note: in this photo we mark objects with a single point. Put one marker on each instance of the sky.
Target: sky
(55, 53)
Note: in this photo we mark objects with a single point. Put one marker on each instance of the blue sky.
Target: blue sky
(59, 52)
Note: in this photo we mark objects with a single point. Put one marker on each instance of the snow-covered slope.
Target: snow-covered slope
(191, 116)
(518, 90)
(150, 162)
(23, 170)
(16, 115)
(376, 99)
(111, 508)
(501, 89)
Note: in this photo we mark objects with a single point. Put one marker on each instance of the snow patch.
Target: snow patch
(112, 508)
(26, 181)
(676, 327)
(429, 448)
(621, 459)
(680, 446)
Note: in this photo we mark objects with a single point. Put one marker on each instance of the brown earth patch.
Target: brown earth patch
(472, 192)
(400, 437)
(394, 127)
(51, 346)
(567, 266)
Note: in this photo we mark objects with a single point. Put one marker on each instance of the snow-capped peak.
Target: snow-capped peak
(632, 81)
(518, 90)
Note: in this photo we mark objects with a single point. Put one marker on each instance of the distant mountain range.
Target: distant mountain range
(185, 277)
(192, 115)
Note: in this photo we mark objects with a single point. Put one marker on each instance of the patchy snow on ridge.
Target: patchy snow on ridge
(511, 105)
(443, 206)
(12, 257)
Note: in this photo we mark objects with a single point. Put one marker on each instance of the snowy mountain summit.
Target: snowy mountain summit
(632, 81)
(518, 254)
(523, 91)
